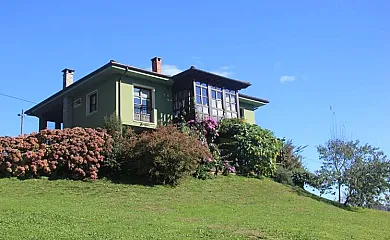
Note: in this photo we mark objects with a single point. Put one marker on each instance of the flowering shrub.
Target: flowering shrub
(251, 149)
(164, 155)
(75, 153)
(207, 132)
(206, 129)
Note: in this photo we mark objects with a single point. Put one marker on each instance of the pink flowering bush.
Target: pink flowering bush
(206, 131)
(75, 153)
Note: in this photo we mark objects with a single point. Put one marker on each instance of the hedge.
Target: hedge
(75, 153)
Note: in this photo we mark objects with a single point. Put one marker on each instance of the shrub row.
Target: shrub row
(75, 153)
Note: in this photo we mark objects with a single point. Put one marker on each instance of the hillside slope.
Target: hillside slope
(222, 208)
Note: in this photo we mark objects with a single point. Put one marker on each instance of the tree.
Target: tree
(363, 171)
(290, 156)
(337, 156)
(368, 178)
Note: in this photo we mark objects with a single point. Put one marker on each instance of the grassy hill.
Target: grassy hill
(222, 208)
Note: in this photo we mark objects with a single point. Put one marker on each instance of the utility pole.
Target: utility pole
(21, 115)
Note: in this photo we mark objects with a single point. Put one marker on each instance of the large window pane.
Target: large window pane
(219, 104)
(205, 101)
(198, 100)
(198, 90)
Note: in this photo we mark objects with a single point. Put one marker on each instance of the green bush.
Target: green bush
(112, 164)
(283, 176)
(297, 177)
(290, 155)
(164, 155)
(250, 148)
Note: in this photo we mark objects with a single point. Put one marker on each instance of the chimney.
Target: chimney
(157, 65)
(67, 77)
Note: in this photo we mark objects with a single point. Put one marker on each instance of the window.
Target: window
(242, 113)
(92, 102)
(202, 100)
(143, 104)
(216, 103)
(231, 103)
(77, 103)
(181, 102)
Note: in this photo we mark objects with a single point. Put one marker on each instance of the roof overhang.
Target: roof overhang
(141, 73)
(213, 79)
(253, 101)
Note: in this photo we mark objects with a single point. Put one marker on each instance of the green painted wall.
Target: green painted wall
(113, 95)
(106, 104)
(249, 113)
(161, 93)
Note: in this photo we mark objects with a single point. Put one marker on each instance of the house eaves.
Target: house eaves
(213, 78)
(253, 101)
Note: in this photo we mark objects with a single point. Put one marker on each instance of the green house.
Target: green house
(144, 99)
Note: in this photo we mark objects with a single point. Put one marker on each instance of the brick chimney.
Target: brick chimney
(157, 65)
(67, 77)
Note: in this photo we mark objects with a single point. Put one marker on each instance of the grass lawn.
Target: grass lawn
(222, 208)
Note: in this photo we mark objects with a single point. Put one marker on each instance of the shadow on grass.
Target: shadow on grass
(302, 192)
(131, 180)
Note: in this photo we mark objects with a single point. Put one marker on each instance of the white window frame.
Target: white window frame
(77, 103)
(87, 103)
(153, 91)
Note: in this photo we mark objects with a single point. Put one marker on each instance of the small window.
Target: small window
(92, 102)
(202, 100)
(231, 103)
(77, 103)
(242, 113)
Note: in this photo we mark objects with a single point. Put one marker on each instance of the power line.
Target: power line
(17, 98)
(313, 160)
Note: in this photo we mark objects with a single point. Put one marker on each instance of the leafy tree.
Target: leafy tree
(368, 178)
(363, 171)
(290, 156)
(337, 157)
(290, 169)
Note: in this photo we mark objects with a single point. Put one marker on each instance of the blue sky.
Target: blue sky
(303, 56)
